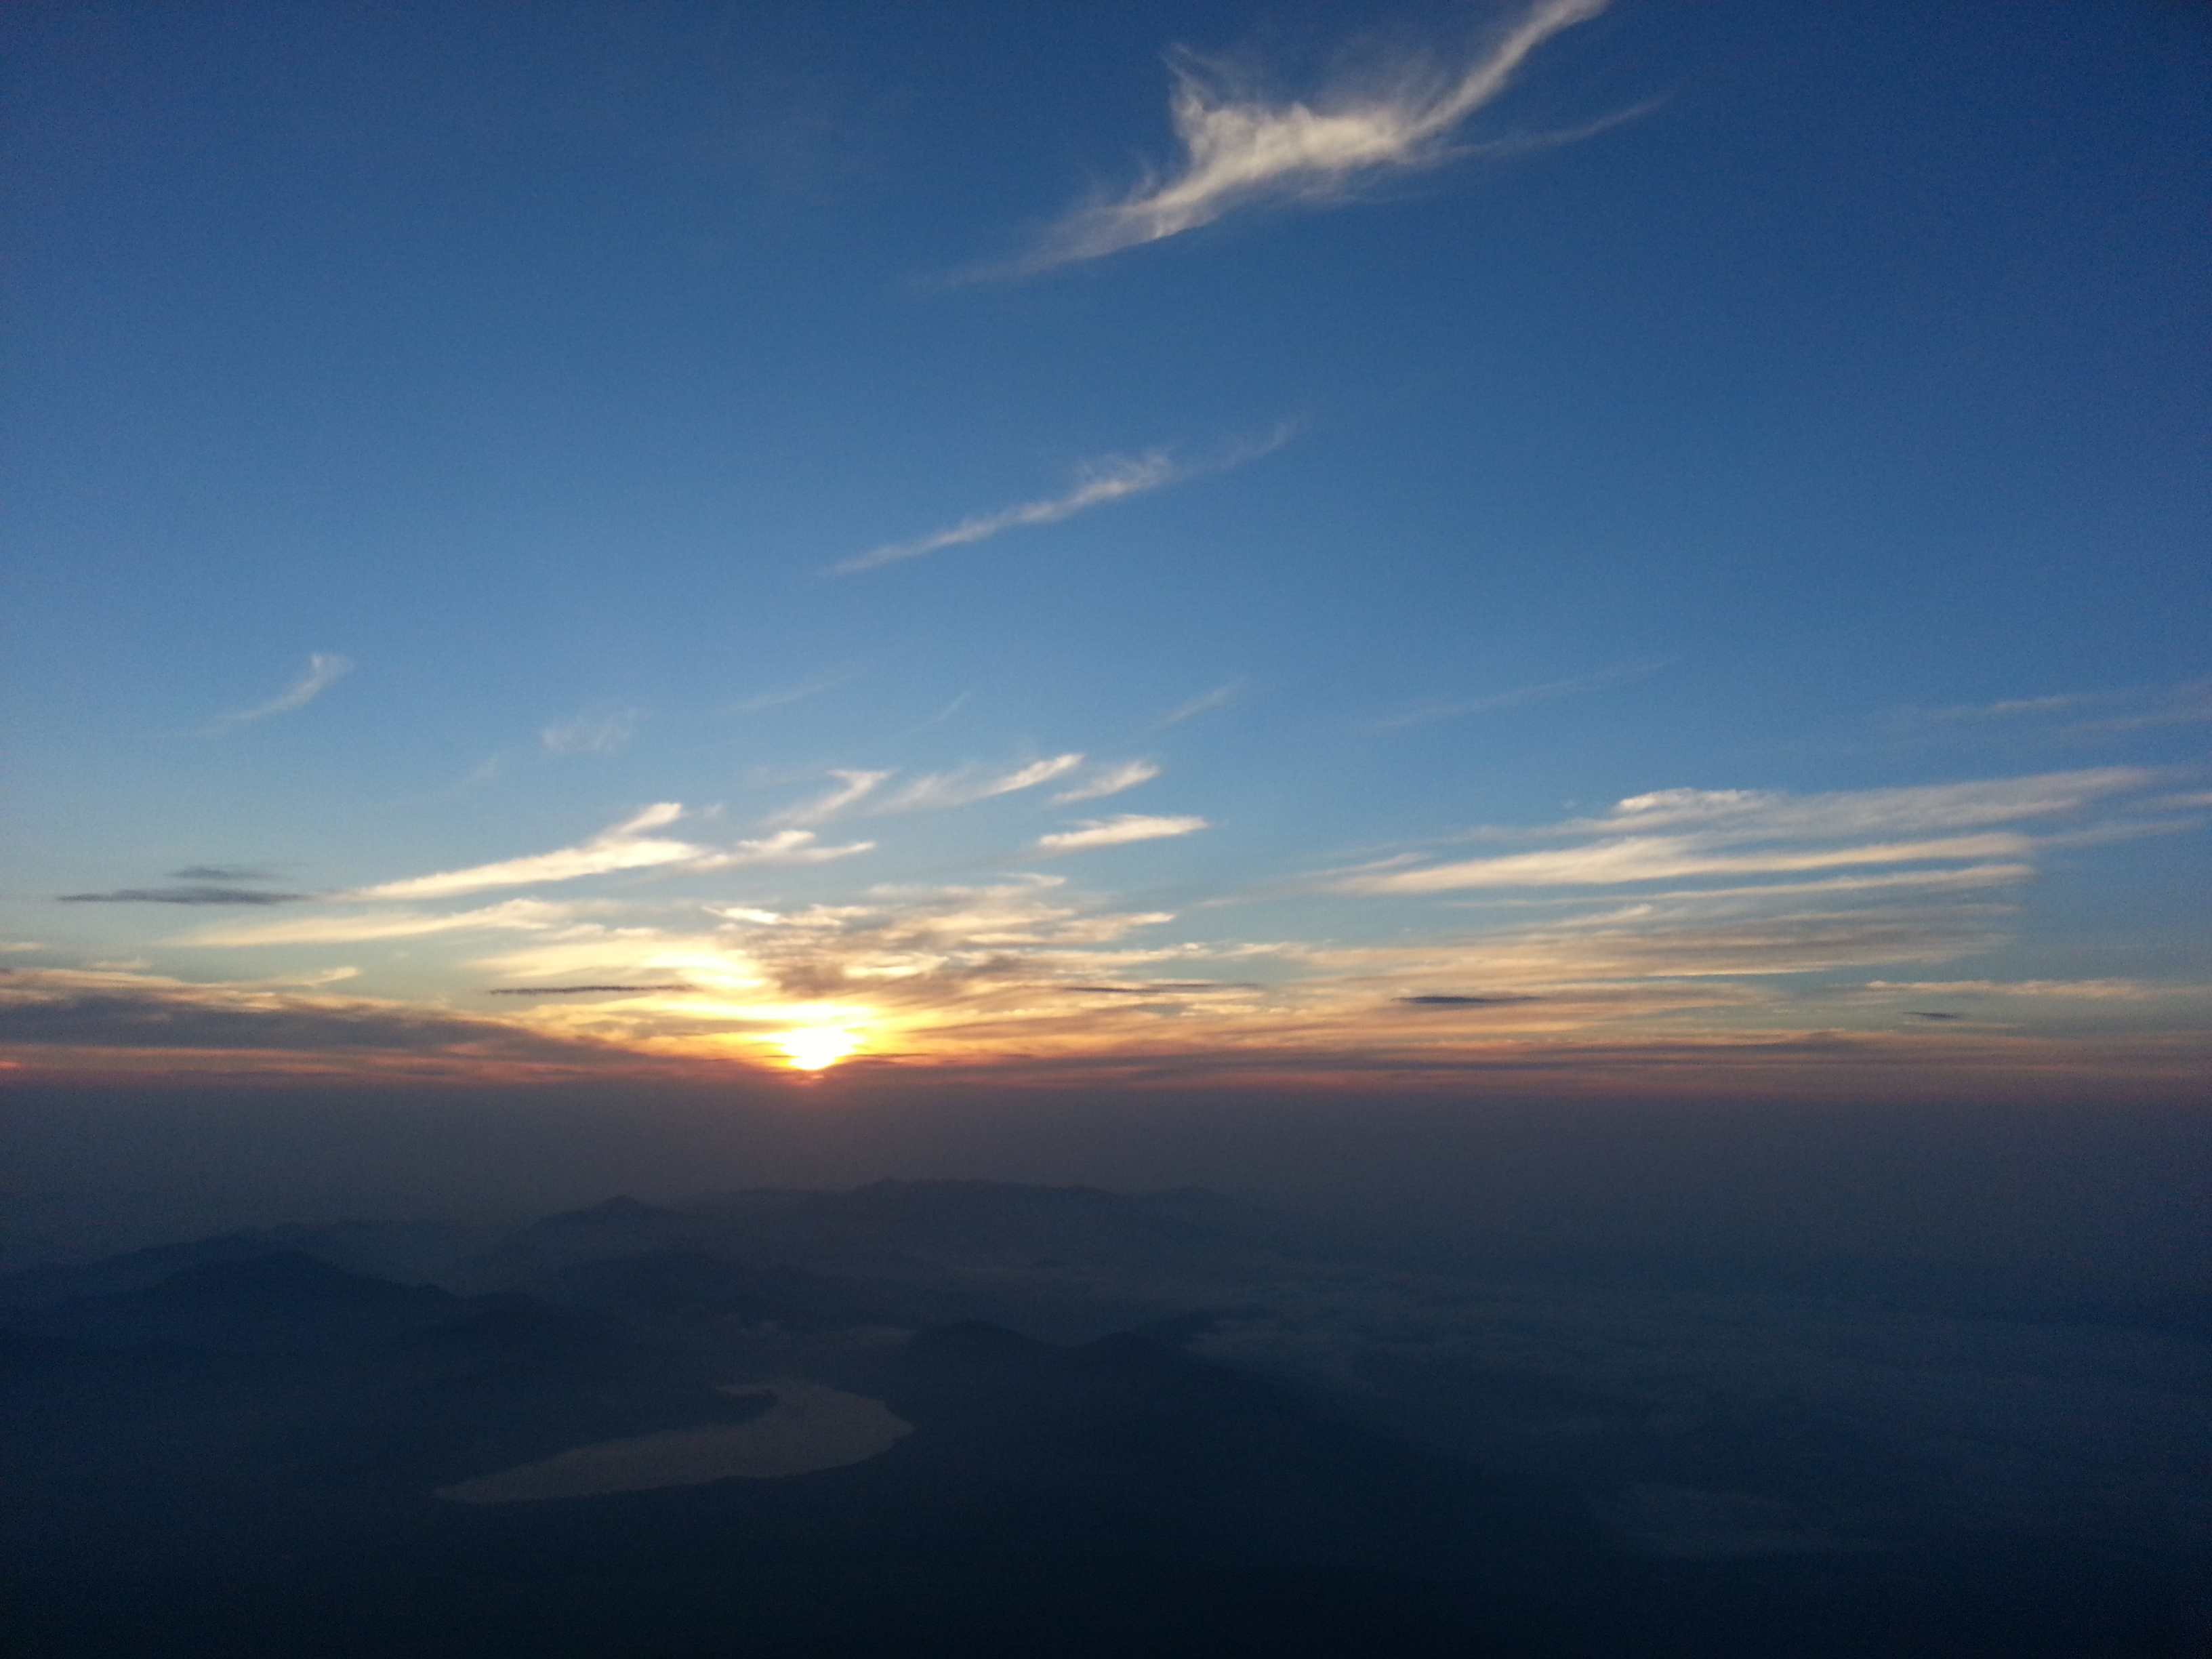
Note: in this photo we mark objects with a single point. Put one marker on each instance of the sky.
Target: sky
(1635, 548)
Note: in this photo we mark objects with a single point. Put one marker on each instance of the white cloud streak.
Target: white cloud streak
(852, 787)
(1097, 482)
(1112, 780)
(1112, 479)
(785, 847)
(1654, 858)
(1118, 831)
(1220, 697)
(1774, 892)
(624, 846)
(2101, 990)
(1673, 833)
(2126, 710)
(1748, 813)
(1240, 150)
(768, 700)
(943, 789)
(2010, 709)
(324, 671)
(528, 916)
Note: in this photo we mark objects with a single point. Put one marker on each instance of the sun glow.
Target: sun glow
(816, 1047)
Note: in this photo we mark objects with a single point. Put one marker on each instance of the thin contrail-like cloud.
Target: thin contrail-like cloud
(963, 787)
(1111, 781)
(1240, 150)
(1220, 697)
(768, 700)
(852, 785)
(1110, 479)
(1420, 712)
(323, 672)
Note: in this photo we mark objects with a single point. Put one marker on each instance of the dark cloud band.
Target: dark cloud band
(572, 990)
(196, 895)
(1465, 1002)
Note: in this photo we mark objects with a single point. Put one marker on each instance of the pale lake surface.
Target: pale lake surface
(809, 1428)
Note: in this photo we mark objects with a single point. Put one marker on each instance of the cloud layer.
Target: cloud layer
(1682, 936)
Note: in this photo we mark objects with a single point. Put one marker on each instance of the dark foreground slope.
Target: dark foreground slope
(223, 1452)
(267, 1490)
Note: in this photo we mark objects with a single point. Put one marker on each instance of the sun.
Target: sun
(816, 1047)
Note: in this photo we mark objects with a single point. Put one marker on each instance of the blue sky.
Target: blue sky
(1233, 540)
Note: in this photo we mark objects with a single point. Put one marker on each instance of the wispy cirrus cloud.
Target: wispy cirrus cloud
(968, 784)
(785, 847)
(1118, 831)
(589, 734)
(1241, 150)
(2079, 714)
(626, 846)
(1657, 858)
(790, 693)
(1743, 812)
(2095, 990)
(2008, 708)
(1959, 879)
(1110, 479)
(945, 713)
(853, 787)
(1671, 834)
(1220, 697)
(1419, 714)
(357, 927)
(324, 671)
(1108, 780)
(1097, 482)
(2187, 704)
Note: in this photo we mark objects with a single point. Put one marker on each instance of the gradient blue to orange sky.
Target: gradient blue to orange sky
(1633, 548)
